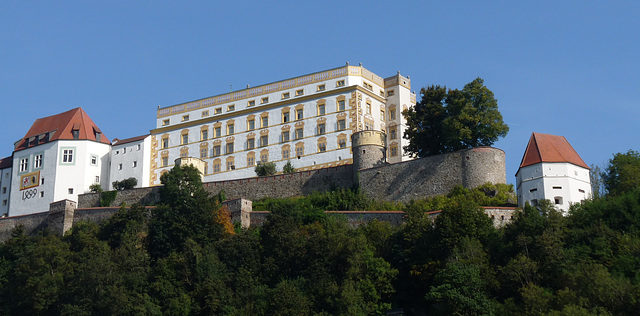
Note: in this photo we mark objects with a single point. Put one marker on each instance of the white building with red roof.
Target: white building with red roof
(551, 169)
(60, 157)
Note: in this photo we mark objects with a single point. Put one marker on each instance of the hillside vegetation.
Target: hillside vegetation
(184, 258)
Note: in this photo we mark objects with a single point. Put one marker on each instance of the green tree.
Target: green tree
(265, 169)
(288, 167)
(449, 120)
(186, 213)
(623, 173)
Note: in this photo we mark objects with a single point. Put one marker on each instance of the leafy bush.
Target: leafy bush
(288, 168)
(95, 188)
(265, 169)
(125, 184)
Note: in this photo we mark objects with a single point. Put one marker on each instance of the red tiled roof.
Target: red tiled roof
(6, 162)
(129, 140)
(550, 148)
(60, 127)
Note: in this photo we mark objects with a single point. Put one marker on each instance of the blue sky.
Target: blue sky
(568, 68)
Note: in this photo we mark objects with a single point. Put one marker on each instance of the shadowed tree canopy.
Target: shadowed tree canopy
(623, 173)
(449, 120)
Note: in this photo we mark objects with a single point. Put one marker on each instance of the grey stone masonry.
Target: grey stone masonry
(435, 175)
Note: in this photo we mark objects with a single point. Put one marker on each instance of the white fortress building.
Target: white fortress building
(307, 120)
(551, 169)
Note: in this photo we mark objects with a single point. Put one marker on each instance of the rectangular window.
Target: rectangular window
(392, 114)
(321, 109)
(342, 125)
(342, 143)
(321, 128)
(368, 126)
(185, 139)
(230, 165)
(382, 116)
(285, 154)
(300, 151)
(394, 151)
(218, 131)
(533, 190)
(285, 136)
(205, 113)
(4, 202)
(216, 150)
(67, 155)
(299, 92)
(70, 190)
(264, 158)
(264, 140)
(341, 105)
(299, 133)
(216, 168)
(165, 161)
(251, 125)
(24, 164)
(41, 194)
(557, 188)
(285, 95)
(251, 103)
(165, 143)
(368, 107)
(340, 83)
(265, 121)
(37, 161)
(392, 133)
(185, 118)
(382, 93)
(251, 161)
(217, 110)
(203, 152)
(230, 129)
(299, 114)
(204, 135)
(264, 100)
(251, 143)
(165, 122)
(231, 107)
(4, 190)
(229, 148)
(322, 147)
(390, 93)
(368, 86)
(120, 166)
(135, 164)
(139, 146)
(94, 160)
(285, 117)
(321, 87)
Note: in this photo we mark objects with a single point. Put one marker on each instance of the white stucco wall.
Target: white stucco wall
(549, 181)
(130, 160)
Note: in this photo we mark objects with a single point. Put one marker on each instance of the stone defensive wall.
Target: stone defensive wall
(435, 175)
(404, 181)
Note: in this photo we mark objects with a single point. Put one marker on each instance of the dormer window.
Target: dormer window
(75, 133)
(98, 136)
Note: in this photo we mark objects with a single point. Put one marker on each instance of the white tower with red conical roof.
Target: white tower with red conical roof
(551, 169)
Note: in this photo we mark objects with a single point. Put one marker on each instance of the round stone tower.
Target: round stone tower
(369, 149)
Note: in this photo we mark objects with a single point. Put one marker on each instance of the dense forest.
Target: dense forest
(185, 258)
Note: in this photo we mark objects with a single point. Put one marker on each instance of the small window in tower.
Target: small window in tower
(581, 190)
(70, 190)
(390, 93)
(533, 190)
(558, 200)
(557, 188)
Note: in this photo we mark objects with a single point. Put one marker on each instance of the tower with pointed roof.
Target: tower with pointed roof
(60, 157)
(551, 169)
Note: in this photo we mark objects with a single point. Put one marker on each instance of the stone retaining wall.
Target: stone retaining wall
(431, 176)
